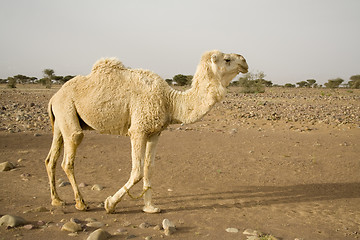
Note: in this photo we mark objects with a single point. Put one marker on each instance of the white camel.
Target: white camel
(113, 99)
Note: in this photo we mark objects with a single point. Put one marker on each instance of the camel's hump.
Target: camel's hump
(104, 65)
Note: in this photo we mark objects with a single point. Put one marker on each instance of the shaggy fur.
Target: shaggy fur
(113, 99)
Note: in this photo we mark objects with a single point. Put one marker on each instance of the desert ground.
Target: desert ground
(285, 162)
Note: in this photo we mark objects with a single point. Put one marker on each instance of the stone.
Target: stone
(71, 227)
(95, 224)
(252, 232)
(166, 224)
(99, 234)
(40, 223)
(82, 185)
(40, 209)
(169, 227)
(148, 237)
(97, 187)
(12, 221)
(75, 220)
(232, 230)
(28, 226)
(63, 184)
(121, 231)
(90, 220)
(144, 225)
(157, 227)
(126, 223)
(6, 166)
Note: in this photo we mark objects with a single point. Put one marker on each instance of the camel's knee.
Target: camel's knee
(77, 137)
(67, 166)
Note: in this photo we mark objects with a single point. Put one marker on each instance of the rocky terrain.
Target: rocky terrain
(279, 165)
(26, 109)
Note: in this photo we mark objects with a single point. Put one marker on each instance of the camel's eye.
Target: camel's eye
(227, 60)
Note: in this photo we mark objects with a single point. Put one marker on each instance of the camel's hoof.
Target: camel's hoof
(108, 207)
(151, 209)
(81, 206)
(57, 202)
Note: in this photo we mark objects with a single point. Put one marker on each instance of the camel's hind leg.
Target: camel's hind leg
(50, 163)
(148, 164)
(71, 142)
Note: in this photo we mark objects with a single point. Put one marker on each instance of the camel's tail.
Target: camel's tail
(51, 115)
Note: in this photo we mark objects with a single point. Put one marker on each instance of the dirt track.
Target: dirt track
(290, 179)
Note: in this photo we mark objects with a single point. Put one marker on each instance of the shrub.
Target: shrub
(252, 83)
(11, 82)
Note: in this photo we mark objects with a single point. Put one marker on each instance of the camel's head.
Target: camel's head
(227, 66)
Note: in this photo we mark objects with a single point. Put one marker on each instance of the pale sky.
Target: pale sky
(289, 40)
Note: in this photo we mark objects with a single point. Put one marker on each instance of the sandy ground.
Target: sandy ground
(284, 179)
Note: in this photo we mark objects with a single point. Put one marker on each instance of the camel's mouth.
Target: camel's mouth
(243, 69)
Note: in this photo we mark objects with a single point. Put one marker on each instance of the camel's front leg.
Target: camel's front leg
(138, 145)
(148, 164)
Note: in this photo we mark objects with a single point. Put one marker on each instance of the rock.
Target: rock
(157, 227)
(166, 223)
(95, 224)
(148, 237)
(252, 232)
(233, 131)
(28, 226)
(82, 185)
(232, 230)
(40, 223)
(71, 227)
(130, 237)
(97, 187)
(75, 220)
(40, 209)
(75, 234)
(121, 231)
(6, 166)
(90, 220)
(169, 227)
(37, 134)
(126, 223)
(99, 234)
(63, 184)
(144, 225)
(12, 221)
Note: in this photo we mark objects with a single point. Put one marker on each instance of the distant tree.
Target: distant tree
(169, 81)
(252, 83)
(11, 82)
(289, 85)
(49, 75)
(181, 79)
(311, 82)
(21, 78)
(334, 83)
(67, 78)
(354, 81)
(302, 84)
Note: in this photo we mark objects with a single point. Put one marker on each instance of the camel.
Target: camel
(138, 103)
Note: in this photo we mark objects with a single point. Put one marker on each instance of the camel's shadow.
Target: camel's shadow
(247, 197)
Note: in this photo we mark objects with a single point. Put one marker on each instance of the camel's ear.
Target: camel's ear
(214, 58)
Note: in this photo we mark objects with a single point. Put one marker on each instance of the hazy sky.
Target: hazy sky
(289, 40)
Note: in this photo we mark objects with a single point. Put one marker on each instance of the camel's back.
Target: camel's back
(111, 96)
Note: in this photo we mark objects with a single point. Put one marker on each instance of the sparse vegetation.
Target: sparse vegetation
(253, 83)
(334, 83)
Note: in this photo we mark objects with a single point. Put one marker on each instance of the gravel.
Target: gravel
(26, 110)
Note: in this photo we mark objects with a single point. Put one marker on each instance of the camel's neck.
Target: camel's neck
(191, 105)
